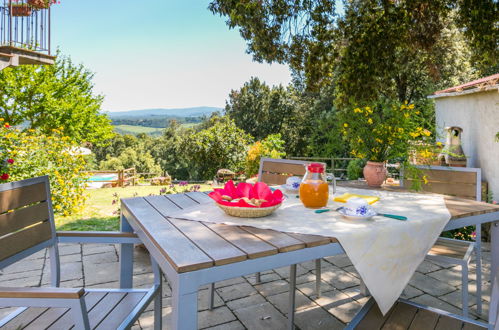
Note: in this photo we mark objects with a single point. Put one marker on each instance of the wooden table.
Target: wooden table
(192, 254)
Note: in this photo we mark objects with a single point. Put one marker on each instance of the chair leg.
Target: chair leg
(478, 255)
(464, 290)
(80, 314)
(55, 268)
(211, 293)
(292, 289)
(318, 277)
(257, 278)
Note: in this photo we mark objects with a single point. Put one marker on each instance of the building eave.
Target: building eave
(465, 92)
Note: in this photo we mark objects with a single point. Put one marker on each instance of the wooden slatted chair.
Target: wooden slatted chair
(464, 183)
(26, 227)
(409, 315)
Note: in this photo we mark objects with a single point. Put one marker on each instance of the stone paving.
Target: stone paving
(242, 304)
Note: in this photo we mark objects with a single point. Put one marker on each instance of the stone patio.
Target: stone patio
(242, 304)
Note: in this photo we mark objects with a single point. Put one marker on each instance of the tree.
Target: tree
(59, 95)
(272, 146)
(261, 110)
(371, 47)
(141, 160)
(222, 145)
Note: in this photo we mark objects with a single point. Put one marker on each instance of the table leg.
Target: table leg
(126, 257)
(185, 308)
(494, 248)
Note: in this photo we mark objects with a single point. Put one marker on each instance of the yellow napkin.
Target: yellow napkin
(346, 196)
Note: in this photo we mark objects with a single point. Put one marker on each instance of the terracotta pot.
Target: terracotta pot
(375, 173)
(21, 11)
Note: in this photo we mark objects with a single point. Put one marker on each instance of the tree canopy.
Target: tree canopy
(370, 47)
(53, 96)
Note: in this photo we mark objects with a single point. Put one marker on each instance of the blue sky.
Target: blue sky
(157, 53)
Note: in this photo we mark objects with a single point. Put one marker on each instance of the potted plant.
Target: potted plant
(380, 132)
(20, 9)
(41, 4)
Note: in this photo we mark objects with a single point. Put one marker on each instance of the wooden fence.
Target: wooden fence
(125, 177)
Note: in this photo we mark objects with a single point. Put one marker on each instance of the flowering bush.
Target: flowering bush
(28, 154)
(272, 146)
(382, 131)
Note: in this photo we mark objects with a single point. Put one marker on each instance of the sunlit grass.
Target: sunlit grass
(99, 212)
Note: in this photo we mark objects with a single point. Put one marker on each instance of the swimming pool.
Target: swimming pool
(99, 180)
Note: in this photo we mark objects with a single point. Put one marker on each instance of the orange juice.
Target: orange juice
(314, 194)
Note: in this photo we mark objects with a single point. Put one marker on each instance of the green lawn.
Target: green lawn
(99, 212)
(132, 129)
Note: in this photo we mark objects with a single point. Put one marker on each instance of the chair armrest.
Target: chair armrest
(58, 293)
(97, 237)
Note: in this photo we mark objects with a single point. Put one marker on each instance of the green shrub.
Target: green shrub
(142, 161)
(355, 168)
(33, 154)
(272, 146)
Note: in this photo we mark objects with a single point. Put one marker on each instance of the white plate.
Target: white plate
(368, 216)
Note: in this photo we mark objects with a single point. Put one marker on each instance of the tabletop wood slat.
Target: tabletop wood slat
(182, 200)
(401, 317)
(253, 246)
(282, 241)
(313, 240)
(448, 323)
(200, 197)
(215, 246)
(424, 319)
(181, 252)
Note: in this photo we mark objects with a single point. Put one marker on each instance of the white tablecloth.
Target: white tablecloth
(385, 252)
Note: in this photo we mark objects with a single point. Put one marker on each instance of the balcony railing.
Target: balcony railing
(24, 25)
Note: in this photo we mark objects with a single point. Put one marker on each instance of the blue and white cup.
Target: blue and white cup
(357, 207)
(292, 183)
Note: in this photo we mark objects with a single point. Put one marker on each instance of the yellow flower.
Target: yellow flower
(425, 179)
(411, 106)
(357, 110)
(370, 121)
(417, 112)
(439, 144)
(406, 115)
(426, 132)
(414, 134)
(359, 140)
(401, 130)
(368, 109)
(379, 140)
(345, 125)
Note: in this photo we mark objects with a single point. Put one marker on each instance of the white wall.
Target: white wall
(478, 115)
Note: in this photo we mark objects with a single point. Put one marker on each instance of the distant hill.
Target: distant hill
(179, 112)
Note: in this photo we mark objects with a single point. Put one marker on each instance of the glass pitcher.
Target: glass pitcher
(314, 190)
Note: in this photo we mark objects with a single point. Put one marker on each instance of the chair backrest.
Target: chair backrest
(276, 171)
(464, 182)
(26, 219)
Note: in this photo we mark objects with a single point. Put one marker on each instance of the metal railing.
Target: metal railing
(24, 26)
(335, 165)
